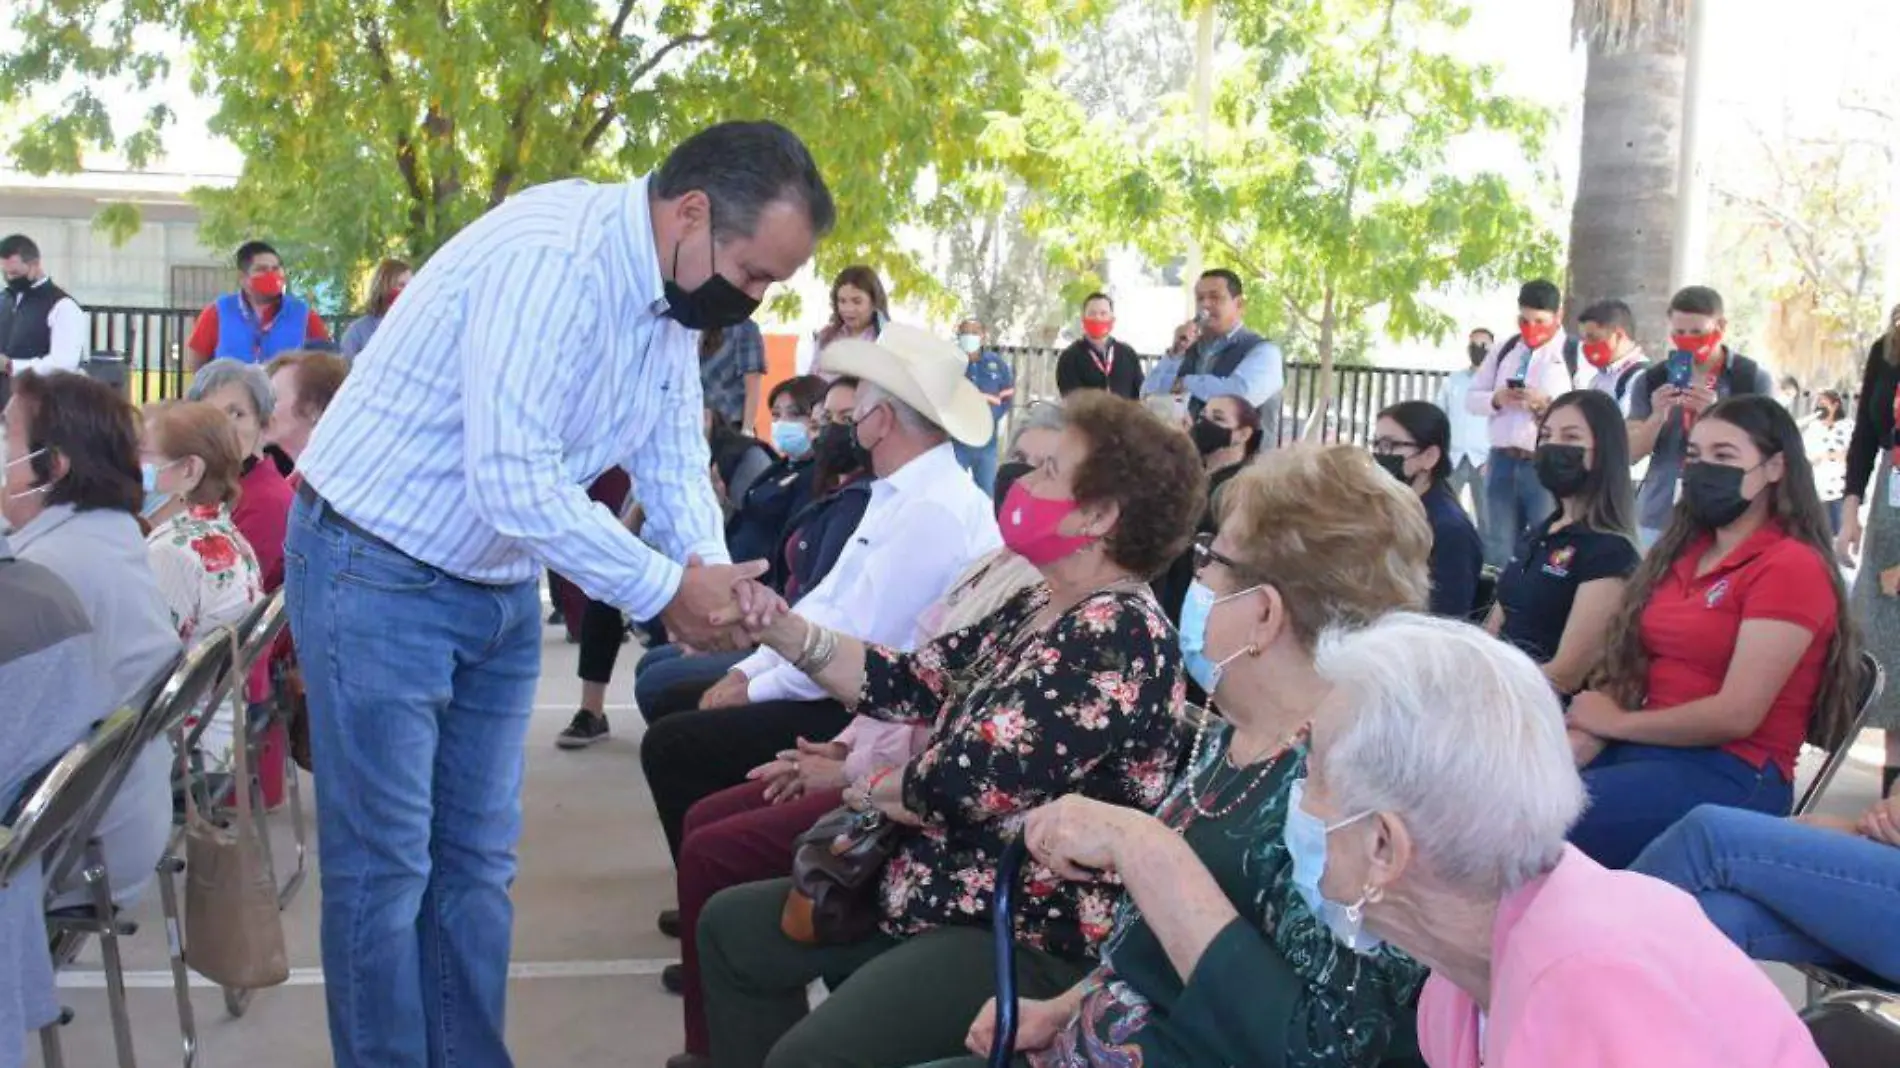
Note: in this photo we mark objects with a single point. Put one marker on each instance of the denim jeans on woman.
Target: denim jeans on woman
(1785, 891)
(1513, 500)
(1639, 791)
(420, 687)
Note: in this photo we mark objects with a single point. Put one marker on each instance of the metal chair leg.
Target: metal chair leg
(291, 885)
(51, 1055)
(96, 877)
(168, 868)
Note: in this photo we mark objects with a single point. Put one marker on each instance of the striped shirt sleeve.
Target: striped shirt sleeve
(538, 300)
(673, 473)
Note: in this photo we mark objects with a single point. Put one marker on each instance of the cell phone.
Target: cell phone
(1681, 368)
(1515, 382)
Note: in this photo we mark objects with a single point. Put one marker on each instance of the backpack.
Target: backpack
(1572, 347)
(1623, 380)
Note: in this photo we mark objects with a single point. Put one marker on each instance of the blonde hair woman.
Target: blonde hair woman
(391, 277)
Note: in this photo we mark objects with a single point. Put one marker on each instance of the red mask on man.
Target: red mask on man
(1536, 335)
(268, 284)
(1097, 329)
(1702, 346)
(1600, 353)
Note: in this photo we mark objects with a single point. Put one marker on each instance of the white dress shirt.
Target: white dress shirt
(1542, 369)
(1606, 380)
(528, 356)
(67, 347)
(1470, 432)
(1259, 377)
(926, 523)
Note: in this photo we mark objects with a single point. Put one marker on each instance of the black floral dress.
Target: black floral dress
(1088, 705)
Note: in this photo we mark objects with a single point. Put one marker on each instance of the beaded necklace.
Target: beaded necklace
(1197, 807)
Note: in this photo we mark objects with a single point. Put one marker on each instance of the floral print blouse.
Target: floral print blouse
(1274, 987)
(205, 568)
(1090, 705)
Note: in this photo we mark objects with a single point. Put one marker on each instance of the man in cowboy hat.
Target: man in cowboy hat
(927, 522)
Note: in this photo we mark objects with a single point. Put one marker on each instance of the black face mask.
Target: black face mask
(1477, 350)
(19, 285)
(1394, 465)
(837, 448)
(1210, 437)
(1006, 476)
(1713, 494)
(1561, 468)
(716, 304)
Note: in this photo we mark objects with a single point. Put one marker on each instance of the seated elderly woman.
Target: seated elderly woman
(261, 511)
(1073, 686)
(1733, 643)
(73, 497)
(1540, 957)
(748, 833)
(1216, 959)
(304, 383)
(206, 571)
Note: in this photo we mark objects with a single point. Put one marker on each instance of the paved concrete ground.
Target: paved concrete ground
(594, 872)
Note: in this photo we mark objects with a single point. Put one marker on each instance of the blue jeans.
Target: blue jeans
(1513, 500)
(420, 687)
(1639, 791)
(980, 463)
(1785, 891)
(666, 666)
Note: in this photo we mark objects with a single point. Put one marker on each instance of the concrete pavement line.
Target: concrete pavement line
(86, 979)
(570, 708)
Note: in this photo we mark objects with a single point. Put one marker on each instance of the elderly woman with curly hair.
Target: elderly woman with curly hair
(1440, 789)
(1074, 685)
(1217, 959)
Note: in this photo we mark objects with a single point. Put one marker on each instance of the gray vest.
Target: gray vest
(1225, 361)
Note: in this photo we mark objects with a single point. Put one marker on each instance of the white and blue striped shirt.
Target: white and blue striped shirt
(527, 357)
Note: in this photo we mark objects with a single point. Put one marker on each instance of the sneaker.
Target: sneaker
(554, 615)
(688, 1060)
(673, 979)
(583, 730)
(669, 923)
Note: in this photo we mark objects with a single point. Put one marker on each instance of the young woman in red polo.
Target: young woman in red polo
(1732, 647)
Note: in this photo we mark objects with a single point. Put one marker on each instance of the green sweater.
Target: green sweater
(1274, 988)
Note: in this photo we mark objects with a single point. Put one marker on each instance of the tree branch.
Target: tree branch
(610, 112)
(405, 145)
(510, 166)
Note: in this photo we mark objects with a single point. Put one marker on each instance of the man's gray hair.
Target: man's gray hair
(1041, 415)
(1461, 737)
(743, 167)
(870, 395)
(220, 373)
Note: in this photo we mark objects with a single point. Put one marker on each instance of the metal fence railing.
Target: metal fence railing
(1359, 393)
(151, 341)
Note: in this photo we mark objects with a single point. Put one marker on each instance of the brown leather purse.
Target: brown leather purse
(835, 869)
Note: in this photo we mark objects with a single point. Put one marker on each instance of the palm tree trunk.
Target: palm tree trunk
(1622, 227)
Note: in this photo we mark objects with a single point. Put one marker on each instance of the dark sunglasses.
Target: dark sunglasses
(1204, 555)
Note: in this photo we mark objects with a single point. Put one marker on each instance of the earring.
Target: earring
(1252, 649)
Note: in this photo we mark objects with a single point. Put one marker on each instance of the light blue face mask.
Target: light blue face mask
(971, 344)
(1305, 836)
(791, 437)
(154, 498)
(1195, 608)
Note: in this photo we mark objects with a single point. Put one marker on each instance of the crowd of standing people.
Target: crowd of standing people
(1314, 763)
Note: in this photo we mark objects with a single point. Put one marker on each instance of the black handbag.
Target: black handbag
(835, 869)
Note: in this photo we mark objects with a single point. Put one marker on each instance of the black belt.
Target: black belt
(309, 495)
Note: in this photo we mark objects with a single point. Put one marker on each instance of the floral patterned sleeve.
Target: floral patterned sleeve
(1043, 719)
(913, 687)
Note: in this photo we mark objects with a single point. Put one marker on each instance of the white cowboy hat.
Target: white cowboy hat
(920, 369)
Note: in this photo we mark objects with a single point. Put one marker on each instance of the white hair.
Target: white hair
(870, 395)
(1461, 737)
(1040, 415)
(222, 372)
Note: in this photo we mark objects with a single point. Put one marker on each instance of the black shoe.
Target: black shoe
(670, 923)
(554, 615)
(583, 730)
(688, 1060)
(673, 978)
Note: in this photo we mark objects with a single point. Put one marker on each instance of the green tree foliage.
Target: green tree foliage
(381, 127)
(1328, 181)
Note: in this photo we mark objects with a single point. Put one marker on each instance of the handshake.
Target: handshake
(722, 607)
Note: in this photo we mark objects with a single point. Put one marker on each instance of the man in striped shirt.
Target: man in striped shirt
(554, 338)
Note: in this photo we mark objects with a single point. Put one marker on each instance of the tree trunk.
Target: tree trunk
(1622, 228)
(1323, 402)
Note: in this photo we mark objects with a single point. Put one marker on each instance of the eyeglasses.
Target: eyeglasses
(1392, 446)
(1204, 555)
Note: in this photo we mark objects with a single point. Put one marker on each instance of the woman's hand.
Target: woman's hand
(1594, 712)
(1847, 542)
(1038, 1025)
(1079, 838)
(1882, 822)
(728, 692)
(811, 768)
(1585, 746)
(887, 796)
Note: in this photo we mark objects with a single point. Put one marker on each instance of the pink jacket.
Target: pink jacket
(1593, 968)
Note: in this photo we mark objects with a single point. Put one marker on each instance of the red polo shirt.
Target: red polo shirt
(1690, 625)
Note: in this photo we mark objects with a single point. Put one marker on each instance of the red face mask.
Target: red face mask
(1097, 329)
(1599, 353)
(393, 294)
(268, 284)
(1536, 335)
(1701, 346)
(1031, 527)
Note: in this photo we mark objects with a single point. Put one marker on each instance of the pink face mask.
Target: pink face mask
(1031, 527)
